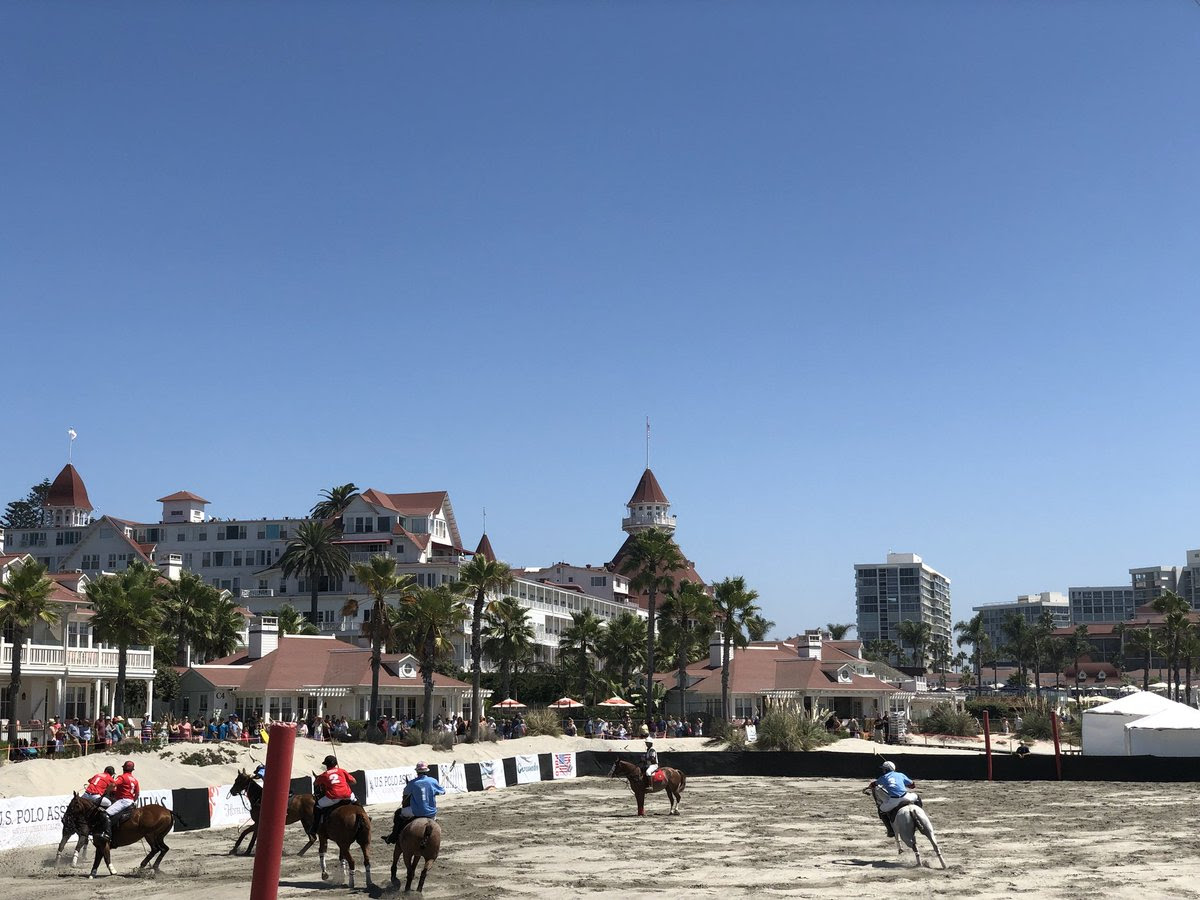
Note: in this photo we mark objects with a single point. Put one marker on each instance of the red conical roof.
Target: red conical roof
(485, 549)
(68, 490)
(648, 491)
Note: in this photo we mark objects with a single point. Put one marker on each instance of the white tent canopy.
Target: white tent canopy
(1104, 726)
(1172, 732)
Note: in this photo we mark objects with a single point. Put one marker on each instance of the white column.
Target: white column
(320, 707)
(60, 706)
(149, 697)
(94, 700)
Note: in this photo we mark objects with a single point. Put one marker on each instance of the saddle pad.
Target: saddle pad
(659, 777)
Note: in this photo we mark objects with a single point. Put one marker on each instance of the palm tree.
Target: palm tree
(291, 622)
(838, 632)
(973, 633)
(734, 605)
(428, 622)
(1146, 640)
(757, 627)
(183, 605)
(652, 558)
(580, 643)
(314, 554)
(686, 615)
(220, 628)
(378, 577)
(623, 646)
(1176, 625)
(127, 613)
(1075, 645)
(940, 652)
(917, 634)
(483, 576)
(1040, 635)
(508, 637)
(1016, 629)
(332, 502)
(24, 601)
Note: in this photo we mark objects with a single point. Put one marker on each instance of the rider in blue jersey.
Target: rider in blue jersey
(420, 802)
(898, 787)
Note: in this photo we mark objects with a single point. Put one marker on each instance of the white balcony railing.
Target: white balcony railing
(39, 659)
(257, 593)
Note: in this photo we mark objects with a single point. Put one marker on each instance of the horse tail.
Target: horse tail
(177, 819)
(362, 830)
(428, 833)
(682, 781)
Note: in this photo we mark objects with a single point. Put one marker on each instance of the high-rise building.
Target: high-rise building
(1113, 603)
(1151, 582)
(903, 588)
(1030, 608)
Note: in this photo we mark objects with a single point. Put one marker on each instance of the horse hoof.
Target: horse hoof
(324, 876)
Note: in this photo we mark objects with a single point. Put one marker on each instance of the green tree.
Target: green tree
(429, 623)
(220, 628)
(971, 633)
(332, 502)
(30, 512)
(838, 632)
(652, 558)
(127, 613)
(508, 636)
(1176, 625)
(734, 605)
(579, 644)
(24, 601)
(918, 635)
(1040, 634)
(1074, 646)
(687, 617)
(1146, 640)
(481, 576)
(757, 627)
(184, 604)
(314, 554)
(378, 578)
(1018, 645)
(291, 621)
(623, 647)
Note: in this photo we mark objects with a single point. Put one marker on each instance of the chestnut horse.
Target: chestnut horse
(673, 782)
(75, 821)
(299, 809)
(151, 823)
(346, 825)
(420, 839)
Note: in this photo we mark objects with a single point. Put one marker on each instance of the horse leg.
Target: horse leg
(424, 872)
(241, 837)
(411, 866)
(321, 855)
(395, 859)
(80, 848)
(253, 839)
(347, 864)
(927, 829)
(311, 840)
(641, 800)
(366, 854)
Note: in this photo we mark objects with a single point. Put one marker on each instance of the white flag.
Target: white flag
(71, 433)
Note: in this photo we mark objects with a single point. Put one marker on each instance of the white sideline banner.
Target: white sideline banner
(225, 810)
(31, 821)
(529, 769)
(387, 785)
(453, 777)
(564, 765)
(491, 773)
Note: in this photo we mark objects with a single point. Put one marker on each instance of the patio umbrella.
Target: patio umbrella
(1159, 686)
(617, 701)
(565, 703)
(510, 703)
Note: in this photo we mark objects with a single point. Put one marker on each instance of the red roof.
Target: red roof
(647, 490)
(407, 504)
(302, 662)
(485, 549)
(68, 491)
(182, 495)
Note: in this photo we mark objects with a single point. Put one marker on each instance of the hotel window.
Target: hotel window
(76, 697)
(203, 535)
(180, 537)
(91, 561)
(205, 559)
(79, 634)
(112, 560)
(237, 558)
(187, 560)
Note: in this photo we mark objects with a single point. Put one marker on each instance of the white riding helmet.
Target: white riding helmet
(649, 742)
(889, 766)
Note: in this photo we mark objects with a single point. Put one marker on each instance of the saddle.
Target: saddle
(122, 817)
(892, 815)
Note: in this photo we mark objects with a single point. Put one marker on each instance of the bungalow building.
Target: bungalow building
(808, 671)
(292, 677)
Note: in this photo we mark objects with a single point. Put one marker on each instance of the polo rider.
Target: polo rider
(897, 786)
(419, 802)
(125, 792)
(98, 785)
(649, 761)
(334, 786)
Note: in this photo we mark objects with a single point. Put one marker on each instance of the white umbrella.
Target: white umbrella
(617, 701)
(508, 704)
(566, 703)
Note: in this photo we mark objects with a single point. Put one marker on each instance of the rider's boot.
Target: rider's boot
(108, 829)
(316, 826)
(887, 823)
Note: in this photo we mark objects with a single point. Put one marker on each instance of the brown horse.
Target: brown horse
(75, 822)
(421, 838)
(299, 809)
(673, 782)
(346, 825)
(151, 823)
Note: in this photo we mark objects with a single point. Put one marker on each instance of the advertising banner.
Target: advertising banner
(31, 821)
(564, 765)
(387, 785)
(529, 769)
(453, 777)
(491, 773)
(224, 810)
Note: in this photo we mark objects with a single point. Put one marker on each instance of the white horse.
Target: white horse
(906, 822)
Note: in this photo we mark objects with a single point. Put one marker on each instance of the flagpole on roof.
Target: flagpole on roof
(70, 443)
(647, 442)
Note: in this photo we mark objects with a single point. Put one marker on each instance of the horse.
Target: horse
(346, 824)
(151, 823)
(299, 809)
(421, 838)
(906, 822)
(75, 822)
(673, 782)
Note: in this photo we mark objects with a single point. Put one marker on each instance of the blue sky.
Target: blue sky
(885, 276)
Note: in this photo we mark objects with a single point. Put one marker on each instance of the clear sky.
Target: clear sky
(907, 276)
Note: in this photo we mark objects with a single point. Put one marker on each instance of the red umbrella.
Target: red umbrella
(617, 701)
(510, 703)
(566, 703)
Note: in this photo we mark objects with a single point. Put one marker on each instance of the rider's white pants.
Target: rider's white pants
(651, 769)
(119, 806)
(892, 802)
(102, 802)
(326, 802)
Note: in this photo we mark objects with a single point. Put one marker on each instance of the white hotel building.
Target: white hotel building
(241, 556)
